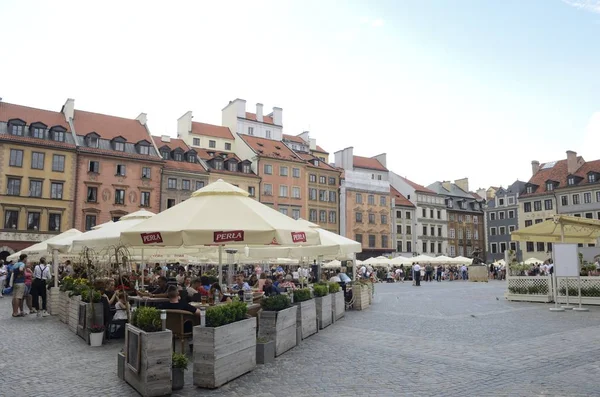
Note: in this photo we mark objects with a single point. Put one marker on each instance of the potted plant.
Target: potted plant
(323, 303)
(265, 351)
(306, 318)
(338, 303)
(148, 353)
(277, 322)
(180, 365)
(360, 294)
(91, 311)
(226, 347)
(96, 332)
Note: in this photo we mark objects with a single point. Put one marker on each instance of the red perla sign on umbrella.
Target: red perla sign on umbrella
(298, 237)
(151, 238)
(234, 235)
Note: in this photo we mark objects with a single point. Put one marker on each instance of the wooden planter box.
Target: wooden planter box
(338, 305)
(89, 318)
(73, 313)
(265, 352)
(324, 315)
(361, 296)
(224, 353)
(148, 361)
(54, 305)
(279, 327)
(528, 298)
(63, 300)
(306, 318)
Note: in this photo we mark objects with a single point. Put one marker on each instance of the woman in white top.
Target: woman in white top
(122, 307)
(3, 273)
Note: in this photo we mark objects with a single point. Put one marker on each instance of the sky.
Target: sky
(448, 89)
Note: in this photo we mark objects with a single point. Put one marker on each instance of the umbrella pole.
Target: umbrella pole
(220, 267)
(55, 263)
(553, 277)
(143, 267)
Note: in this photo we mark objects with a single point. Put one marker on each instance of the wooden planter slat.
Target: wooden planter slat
(279, 327)
(224, 353)
(306, 318)
(324, 314)
(338, 305)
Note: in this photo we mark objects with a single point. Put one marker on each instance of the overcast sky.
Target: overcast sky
(449, 89)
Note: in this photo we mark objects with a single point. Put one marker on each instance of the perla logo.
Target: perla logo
(150, 238)
(234, 235)
(298, 237)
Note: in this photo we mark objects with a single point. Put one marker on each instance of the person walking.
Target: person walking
(3, 274)
(41, 274)
(18, 284)
(438, 276)
(417, 274)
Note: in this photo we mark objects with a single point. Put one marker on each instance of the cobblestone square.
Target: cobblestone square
(450, 338)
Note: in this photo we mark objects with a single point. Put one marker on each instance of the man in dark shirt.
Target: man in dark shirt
(161, 290)
(269, 288)
(175, 304)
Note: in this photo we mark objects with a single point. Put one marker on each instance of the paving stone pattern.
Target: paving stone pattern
(450, 338)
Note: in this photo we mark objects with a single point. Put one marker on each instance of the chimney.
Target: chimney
(382, 158)
(184, 125)
(572, 165)
(277, 118)
(68, 109)
(535, 167)
(142, 118)
(305, 136)
(312, 144)
(482, 193)
(259, 112)
(446, 185)
(463, 184)
(165, 138)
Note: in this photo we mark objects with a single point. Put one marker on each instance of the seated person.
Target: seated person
(253, 281)
(270, 289)
(175, 304)
(205, 284)
(160, 291)
(222, 297)
(240, 284)
(287, 284)
(279, 280)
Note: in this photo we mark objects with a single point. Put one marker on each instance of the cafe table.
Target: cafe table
(147, 301)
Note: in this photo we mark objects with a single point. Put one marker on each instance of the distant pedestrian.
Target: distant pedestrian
(41, 275)
(438, 275)
(417, 274)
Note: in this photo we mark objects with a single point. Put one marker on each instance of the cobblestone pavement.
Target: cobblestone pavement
(451, 339)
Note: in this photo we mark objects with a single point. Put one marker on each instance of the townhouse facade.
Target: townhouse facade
(403, 215)
(182, 172)
(466, 232)
(37, 176)
(430, 222)
(323, 181)
(568, 186)
(365, 202)
(501, 219)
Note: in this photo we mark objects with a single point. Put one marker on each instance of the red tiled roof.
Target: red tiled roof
(185, 166)
(294, 138)
(368, 162)
(114, 153)
(236, 173)
(559, 173)
(204, 155)
(322, 164)
(109, 127)
(36, 141)
(417, 187)
(173, 144)
(475, 195)
(320, 150)
(216, 131)
(400, 199)
(266, 119)
(29, 115)
(270, 148)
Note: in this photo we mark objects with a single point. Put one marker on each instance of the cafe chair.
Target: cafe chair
(181, 324)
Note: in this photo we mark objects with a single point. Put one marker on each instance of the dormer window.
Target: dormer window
(450, 203)
(246, 168)
(93, 141)
(571, 181)
(145, 149)
(592, 178)
(218, 164)
(529, 189)
(58, 134)
(178, 157)
(118, 144)
(164, 154)
(549, 186)
(316, 163)
(191, 157)
(37, 130)
(16, 127)
(232, 166)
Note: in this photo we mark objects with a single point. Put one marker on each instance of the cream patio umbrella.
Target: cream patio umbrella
(217, 215)
(532, 261)
(461, 260)
(422, 259)
(401, 260)
(560, 229)
(36, 251)
(441, 259)
(334, 264)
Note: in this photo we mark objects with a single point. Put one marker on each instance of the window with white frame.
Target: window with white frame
(283, 191)
(587, 197)
(494, 248)
(452, 251)
(452, 233)
(575, 199)
(493, 231)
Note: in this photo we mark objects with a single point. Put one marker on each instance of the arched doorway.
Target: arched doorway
(5, 252)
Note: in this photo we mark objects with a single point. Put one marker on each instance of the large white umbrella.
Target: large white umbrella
(334, 264)
(333, 246)
(40, 249)
(532, 261)
(219, 214)
(463, 260)
(377, 261)
(401, 260)
(442, 259)
(422, 259)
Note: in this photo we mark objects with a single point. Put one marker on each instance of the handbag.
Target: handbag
(7, 291)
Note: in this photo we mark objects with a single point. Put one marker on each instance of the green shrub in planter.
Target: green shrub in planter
(180, 361)
(301, 295)
(321, 290)
(218, 316)
(147, 319)
(87, 293)
(275, 303)
(334, 287)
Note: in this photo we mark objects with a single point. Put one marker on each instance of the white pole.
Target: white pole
(554, 279)
(55, 266)
(143, 267)
(220, 267)
(580, 308)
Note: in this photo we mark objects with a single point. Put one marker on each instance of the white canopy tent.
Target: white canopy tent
(461, 260)
(532, 261)
(401, 260)
(420, 259)
(334, 264)
(36, 251)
